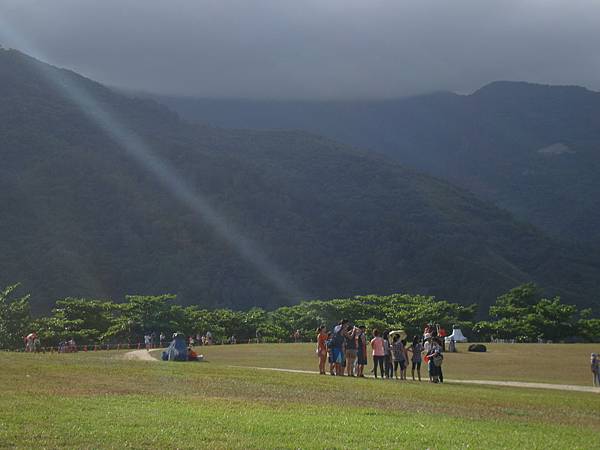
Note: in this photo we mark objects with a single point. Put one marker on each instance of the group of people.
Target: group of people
(345, 348)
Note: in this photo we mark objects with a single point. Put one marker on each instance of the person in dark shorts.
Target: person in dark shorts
(416, 349)
(361, 351)
(350, 348)
(398, 356)
(329, 344)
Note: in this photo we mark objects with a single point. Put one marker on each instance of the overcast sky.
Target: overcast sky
(311, 48)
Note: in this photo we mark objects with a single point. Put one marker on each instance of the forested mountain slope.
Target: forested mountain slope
(532, 149)
(88, 211)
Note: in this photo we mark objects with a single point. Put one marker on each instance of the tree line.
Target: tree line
(520, 314)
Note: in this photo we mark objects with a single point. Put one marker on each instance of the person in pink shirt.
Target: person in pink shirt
(378, 352)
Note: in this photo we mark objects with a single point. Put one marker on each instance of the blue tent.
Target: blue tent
(177, 350)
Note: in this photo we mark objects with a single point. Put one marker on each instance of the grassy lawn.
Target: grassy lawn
(99, 400)
(545, 363)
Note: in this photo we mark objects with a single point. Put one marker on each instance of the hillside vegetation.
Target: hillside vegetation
(532, 149)
(236, 218)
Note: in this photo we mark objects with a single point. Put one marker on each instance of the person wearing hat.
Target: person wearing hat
(595, 365)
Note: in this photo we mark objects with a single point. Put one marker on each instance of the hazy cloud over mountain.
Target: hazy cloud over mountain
(310, 48)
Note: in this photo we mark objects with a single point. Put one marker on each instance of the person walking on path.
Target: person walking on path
(378, 353)
(322, 348)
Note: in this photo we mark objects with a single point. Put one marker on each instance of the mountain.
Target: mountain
(104, 195)
(531, 149)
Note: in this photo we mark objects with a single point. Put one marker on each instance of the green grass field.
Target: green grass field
(556, 363)
(99, 400)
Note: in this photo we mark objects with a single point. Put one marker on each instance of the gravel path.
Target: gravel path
(517, 384)
(140, 355)
(144, 355)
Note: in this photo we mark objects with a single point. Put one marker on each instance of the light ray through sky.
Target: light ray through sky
(167, 176)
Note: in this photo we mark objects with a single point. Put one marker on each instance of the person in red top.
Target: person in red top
(322, 348)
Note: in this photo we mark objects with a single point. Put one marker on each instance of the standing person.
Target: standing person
(350, 348)
(435, 365)
(361, 351)
(258, 336)
(398, 356)
(378, 352)
(439, 347)
(595, 365)
(405, 366)
(416, 349)
(389, 368)
(162, 339)
(337, 341)
(322, 348)
(147, 341)
(329, 344)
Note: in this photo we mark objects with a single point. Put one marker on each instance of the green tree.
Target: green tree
(15, 318)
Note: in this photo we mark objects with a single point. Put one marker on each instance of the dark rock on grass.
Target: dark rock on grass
(477, 348)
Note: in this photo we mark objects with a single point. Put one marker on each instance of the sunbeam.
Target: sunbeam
(137, 150)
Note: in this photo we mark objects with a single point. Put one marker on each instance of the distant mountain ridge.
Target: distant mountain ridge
(499, 142)
(81, 217)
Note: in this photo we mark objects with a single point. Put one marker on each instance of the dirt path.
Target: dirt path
(517, 384)
(144, 355)
(140, 355)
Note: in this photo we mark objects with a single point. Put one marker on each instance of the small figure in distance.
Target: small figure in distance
(338, 341)
(416, 349)
(595, 366)
(258, 336)
(329, 344)
(162, 338)
(350, 351)
(398, 356)
(191, 354)
(378, 353)
(361, 351)
(322, 348)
